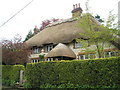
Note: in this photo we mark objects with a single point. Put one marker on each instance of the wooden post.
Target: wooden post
(21, 76)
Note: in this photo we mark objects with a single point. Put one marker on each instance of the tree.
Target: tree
(37, 30)
(29, 35)
(47, 22)
(14, 51)
(94, 33)
(113, 27)
(44, 24)
(97, 17)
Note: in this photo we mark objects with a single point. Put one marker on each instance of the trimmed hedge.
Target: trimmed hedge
(97, 72)
(11, 72)
(69, 85)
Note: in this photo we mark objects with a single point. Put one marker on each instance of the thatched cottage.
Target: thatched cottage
(57, 41)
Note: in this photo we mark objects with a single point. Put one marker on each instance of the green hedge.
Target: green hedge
(11, 72)
(98, 72)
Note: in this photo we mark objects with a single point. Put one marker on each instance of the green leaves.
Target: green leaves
(11, 74)
(99, 19)
(29, 35)
(95, 33)
(110, 22)
(85, 73)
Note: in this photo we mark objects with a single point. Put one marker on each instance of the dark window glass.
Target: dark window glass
(78, 45)
(81, 57)
(92, 56)
(86, 56)
(112, 53)
(106, 54)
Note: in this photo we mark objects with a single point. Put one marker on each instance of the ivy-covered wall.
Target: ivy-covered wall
(98, 72)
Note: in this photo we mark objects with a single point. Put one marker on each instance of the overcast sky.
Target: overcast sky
(40, 10)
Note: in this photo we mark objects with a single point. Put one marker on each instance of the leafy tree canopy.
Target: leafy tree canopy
(29, 35)
(95, 33)
(14, 51)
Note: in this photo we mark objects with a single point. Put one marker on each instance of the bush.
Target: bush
(11, 74)
(69, 85)
(6, 82)
(47, 85)
(27, 85)
(85, 73)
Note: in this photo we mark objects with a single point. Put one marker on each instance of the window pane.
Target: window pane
(81, 57)
(78, 45)
(32, 61)
(106, 54)
(112, 53)
(86, 56)
(36, 50)
(92, 56)
(117, 53)
(49, 48)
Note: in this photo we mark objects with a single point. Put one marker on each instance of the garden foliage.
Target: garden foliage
(97, 72)
(11, 73)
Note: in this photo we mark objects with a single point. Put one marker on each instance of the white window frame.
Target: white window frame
(78, 44)
(85, 56)
(49, 48)
(49, 59)
(110, 53)
(92, 54)
(36, 50)
(34, 60)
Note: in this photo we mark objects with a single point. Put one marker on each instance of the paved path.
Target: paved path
(8, 87)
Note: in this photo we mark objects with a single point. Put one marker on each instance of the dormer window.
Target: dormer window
(49, 48)
(36, 50)
(78, 44)
(81, 44)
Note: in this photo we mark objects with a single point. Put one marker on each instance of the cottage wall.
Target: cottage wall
(77, 51)
(92, 47)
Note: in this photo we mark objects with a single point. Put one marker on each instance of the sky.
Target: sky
(40, 10)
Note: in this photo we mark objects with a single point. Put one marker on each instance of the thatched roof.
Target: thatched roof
(61, 32)
(61, 50)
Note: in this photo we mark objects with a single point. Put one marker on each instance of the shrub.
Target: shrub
(11, 74)
(47, 85)
(85, 73)
(27, 85)
(69, 85)
(6, 82)
(12, 83)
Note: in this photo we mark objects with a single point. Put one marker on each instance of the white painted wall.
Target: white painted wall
(76, 51)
